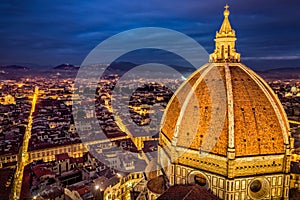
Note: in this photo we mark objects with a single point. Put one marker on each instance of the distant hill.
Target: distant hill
(281, 73)
(66, 66)
(125, 66)
(13, 67)
(122, 67)
(69, 70)
(14, 71)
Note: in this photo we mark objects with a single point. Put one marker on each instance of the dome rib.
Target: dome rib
(178, 100)
(230, 107)
(187, 101)
(263, 86)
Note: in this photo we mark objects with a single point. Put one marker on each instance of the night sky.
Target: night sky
(45, 33)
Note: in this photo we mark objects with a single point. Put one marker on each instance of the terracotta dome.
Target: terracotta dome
(224, 105)
(245, 102)
(225, 129)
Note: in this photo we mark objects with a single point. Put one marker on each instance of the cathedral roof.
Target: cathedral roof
(157, 185)
(244, 114)
(226, 107)
(187, 192)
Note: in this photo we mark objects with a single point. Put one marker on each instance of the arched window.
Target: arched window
(200, 180)
(222, 51)
(255, 186)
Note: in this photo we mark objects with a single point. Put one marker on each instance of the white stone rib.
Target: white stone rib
(230, 107)
(178, 90)
(277, 101)
(271, 100)
(186, 101)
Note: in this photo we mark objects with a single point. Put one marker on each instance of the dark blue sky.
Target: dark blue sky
(46, 33)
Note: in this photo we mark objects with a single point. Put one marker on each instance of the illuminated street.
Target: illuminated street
(23, 155)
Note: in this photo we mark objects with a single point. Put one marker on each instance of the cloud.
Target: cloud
(273, 58)
(54, 31)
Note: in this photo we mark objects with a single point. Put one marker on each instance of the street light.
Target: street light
(97, 187)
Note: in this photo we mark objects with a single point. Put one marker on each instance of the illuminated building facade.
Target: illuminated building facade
(48, 154)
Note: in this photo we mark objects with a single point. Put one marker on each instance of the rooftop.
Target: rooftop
(187, 192)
